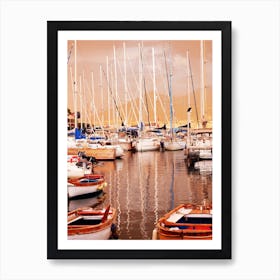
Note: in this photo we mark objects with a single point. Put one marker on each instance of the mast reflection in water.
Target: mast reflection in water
(145, 186)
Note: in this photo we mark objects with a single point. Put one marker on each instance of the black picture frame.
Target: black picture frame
(53, 27)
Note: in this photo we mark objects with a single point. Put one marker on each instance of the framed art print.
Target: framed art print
(139, 140)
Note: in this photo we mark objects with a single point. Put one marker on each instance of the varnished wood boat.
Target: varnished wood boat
(90, 224)
(100, 153)
(89, 183)
(185, 222)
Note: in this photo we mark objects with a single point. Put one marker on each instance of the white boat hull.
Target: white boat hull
(126, 145)
(143, 145)
(174, 146)
(205, 154)
(102, 234)
(74, 171)
(90, 224)
(119, 151)
(74, 191)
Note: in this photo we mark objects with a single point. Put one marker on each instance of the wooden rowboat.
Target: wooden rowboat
(185, 222)
(90, 224)
(88, 184)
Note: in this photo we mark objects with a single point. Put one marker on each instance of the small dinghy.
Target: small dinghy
(185, 222)
(87, 184)
(90, 224)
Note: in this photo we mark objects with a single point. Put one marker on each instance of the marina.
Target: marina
(143, 187)
(139, 143)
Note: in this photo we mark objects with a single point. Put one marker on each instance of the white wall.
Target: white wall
(255, 127)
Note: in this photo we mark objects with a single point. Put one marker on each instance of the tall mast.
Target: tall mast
(140, 86)
(102, 97)
(171, 103)
(202, 87)
(204, 81)
(85, 99)
(75, 84)
(93, 102)
(193, 91)
(189, 97)
(169, 75)
(114, 111)
(116, 80)
(125, 83)
(108, 89)
(81, 103)
(154, 85)
(94, 107)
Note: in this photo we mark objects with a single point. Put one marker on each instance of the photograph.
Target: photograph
(140, 139)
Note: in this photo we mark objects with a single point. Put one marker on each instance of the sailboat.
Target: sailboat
(199, 146)
(79, 143)
(144, 142)
(172, 143)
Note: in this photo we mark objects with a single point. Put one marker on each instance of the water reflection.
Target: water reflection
(87, 200)
(145, 186)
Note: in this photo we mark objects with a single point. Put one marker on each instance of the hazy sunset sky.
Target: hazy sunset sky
(98, 81)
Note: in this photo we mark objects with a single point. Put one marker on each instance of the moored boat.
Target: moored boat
(147, 144)
(100, 153)
(174, 145)
(126, 144)
(90, 224)
(200, 144)
(79, 165)
(75, 171)
(185, 222)
(88, 184)
(119, 149)
(91, 149)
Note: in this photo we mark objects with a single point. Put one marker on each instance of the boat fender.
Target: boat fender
(114, 232)
(74, 159)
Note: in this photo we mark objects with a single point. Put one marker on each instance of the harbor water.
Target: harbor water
(143, 186)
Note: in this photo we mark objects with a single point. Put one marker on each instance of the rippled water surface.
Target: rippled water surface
(144, 186)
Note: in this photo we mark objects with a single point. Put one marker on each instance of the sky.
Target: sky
(108, 75)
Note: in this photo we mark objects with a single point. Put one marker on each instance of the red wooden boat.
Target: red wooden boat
(91, 224)
(185, 222)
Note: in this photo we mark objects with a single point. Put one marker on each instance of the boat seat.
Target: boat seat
(178, 215)
(73, 219)
(184, 211)
(175, 217)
